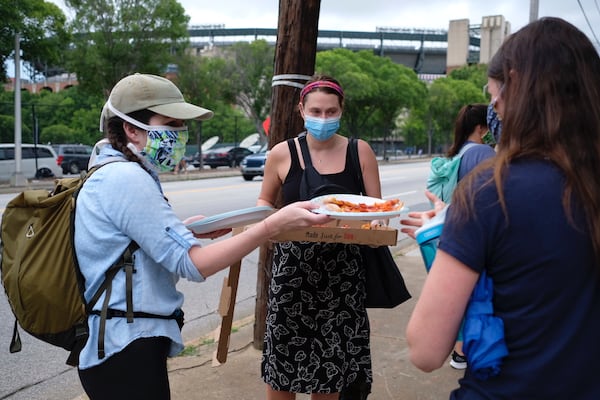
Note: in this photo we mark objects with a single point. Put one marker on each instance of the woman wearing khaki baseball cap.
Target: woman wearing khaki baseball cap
(123, 203)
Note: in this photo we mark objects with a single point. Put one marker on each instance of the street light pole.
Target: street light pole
(18, 179)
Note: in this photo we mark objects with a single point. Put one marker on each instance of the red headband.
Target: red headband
(332, 85)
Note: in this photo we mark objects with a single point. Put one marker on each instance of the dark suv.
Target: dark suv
(73, 158)
(226, 156)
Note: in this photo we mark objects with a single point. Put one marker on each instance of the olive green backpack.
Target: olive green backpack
(39, 269)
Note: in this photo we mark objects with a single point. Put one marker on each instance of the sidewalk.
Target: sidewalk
(196, 377)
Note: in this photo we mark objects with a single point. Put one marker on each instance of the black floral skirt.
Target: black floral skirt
(317, 333)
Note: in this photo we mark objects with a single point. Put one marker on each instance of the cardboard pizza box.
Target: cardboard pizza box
(343, 231)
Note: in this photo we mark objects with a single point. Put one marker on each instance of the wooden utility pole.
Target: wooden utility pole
(295, 55)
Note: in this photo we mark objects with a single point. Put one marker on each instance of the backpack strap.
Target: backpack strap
(465, 148)
(125, 261)
(15, 342)
(353, 148)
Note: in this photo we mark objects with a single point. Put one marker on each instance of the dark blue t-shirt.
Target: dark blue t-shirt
(546, 286)
(472, 157)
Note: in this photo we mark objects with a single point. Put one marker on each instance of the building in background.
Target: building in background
(462, 49)
(430, 53)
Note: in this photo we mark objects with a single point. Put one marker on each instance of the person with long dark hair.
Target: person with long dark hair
(470, 129)
(529, 218)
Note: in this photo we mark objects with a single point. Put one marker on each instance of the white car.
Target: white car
(37, 161)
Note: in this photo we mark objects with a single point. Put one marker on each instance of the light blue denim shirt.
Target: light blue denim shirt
(122, 202)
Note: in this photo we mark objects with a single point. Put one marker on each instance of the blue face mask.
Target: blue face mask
(321, 128)
(494, 122)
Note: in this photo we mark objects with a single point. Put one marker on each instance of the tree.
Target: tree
(446, 97)
(476, 74)
(68, 116)
(115, 38)
(236, 86)
(41, 26)
(209, 82)
(251, 82)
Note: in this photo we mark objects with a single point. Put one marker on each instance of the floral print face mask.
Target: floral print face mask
(165, 147)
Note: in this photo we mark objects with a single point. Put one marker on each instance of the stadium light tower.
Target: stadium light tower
(533, 10)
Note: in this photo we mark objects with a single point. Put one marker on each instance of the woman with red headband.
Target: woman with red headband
(317, 335)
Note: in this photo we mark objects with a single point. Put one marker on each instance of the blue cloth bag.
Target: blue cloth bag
(483, 333)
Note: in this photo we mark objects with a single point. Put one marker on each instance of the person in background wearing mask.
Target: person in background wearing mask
(123, 202)
(317, 334)
(530, 219)
(470, 129)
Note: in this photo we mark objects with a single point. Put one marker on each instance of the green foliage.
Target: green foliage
(7, 128)
(446, 97)
(383, 100)
(58, 133)
(229, 124)
(41, 26)
(68, 116)
(115, 38)
(236, 87)
(476, 74)
(207, 82)
(415, 126)
(252, 66)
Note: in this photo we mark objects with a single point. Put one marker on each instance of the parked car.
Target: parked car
(37, 161)
(223, 157)
(73, 158)
(254, 164)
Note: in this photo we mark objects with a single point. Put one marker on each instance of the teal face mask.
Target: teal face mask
(165, 147)
(321, 128)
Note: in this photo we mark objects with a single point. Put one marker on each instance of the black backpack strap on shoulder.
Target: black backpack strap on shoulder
(353, 148)
(127, 262)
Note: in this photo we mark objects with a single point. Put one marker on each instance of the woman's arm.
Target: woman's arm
(416, 219)
(276, 166)
(219, 255)
(369, 169)
(434, 323)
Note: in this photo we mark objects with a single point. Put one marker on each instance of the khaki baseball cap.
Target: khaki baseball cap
(155, 93)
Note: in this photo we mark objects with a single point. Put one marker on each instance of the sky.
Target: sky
(367, 15)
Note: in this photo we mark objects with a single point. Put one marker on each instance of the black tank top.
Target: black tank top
(305, 184)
